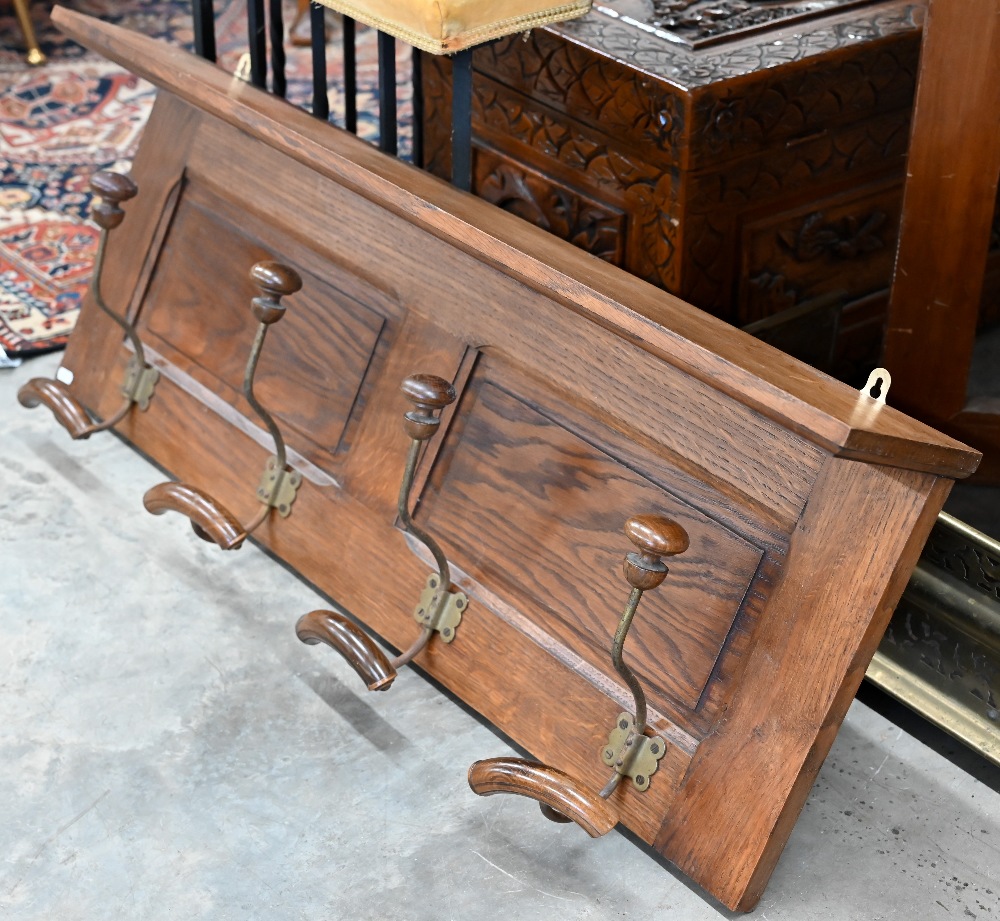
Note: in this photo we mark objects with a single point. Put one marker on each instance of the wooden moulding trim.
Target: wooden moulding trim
(751, 776)
(798, 397)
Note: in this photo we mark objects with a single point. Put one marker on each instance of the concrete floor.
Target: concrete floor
(169, 749)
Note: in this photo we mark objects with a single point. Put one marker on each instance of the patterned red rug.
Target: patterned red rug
(61, 122)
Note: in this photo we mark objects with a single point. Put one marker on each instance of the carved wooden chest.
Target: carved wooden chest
(745, 155)
(561, 399)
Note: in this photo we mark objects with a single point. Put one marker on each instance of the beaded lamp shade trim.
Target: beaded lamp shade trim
(452, 25)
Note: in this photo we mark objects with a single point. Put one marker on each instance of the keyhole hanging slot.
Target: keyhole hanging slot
(877, 387)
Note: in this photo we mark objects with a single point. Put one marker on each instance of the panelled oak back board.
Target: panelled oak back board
(585, 396)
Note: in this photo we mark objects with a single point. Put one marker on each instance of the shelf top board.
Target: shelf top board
(826, 412)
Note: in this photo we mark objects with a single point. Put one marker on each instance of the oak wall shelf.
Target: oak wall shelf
(585, 396)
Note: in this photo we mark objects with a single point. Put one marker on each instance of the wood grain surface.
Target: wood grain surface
(844, 575)
(535, 512)
(196, 312)
(576, 411)
(779, 387)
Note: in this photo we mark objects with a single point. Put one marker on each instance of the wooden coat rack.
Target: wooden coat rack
(585, 397)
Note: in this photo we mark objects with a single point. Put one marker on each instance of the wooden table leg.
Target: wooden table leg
(948, 207)
(35, 55)
(300, 14)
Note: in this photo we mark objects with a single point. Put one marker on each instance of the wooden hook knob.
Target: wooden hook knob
(112, 189)
(429, 394)
(64, 406)
(275, 281)
(655, 536)
(210, 520)
(546, 785)
(347, 638)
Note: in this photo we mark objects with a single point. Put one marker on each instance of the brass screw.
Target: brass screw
(654, 748)
(623, 724)
(640, 779)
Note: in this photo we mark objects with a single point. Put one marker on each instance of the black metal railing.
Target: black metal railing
(203, 13)
(257, 42)
(350, 53)
(269, 31)
(276, 27)
(321, 102)
(387, 140)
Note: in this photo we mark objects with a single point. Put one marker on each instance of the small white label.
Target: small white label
(64, 375)
(7, 362)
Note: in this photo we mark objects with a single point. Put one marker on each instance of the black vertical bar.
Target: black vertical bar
(317, 28)
(204, 28)
(350, 77)
(461, 120)
(387, 93)
(257, 42)
(418, 107)
(279, 84)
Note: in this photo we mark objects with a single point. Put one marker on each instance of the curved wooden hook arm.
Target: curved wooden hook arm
(111, 189)
(357, 647)
(562, 797)
(549, 787)
(359, 650)
(68, 412)
(209, 518)
(429, 394)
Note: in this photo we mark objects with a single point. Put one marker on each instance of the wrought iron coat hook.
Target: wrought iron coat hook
(628, 750)
(279, 484)
(140, 378)
(439, 609)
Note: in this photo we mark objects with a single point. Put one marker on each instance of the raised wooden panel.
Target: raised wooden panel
(536, 512)
(196, 314)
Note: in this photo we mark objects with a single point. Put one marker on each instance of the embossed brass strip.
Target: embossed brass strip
(701, 23)
(941, 652)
